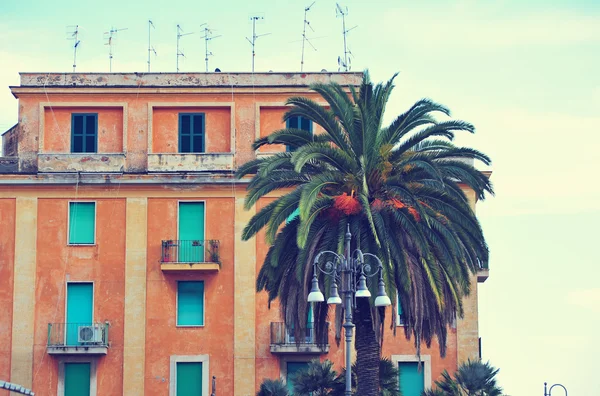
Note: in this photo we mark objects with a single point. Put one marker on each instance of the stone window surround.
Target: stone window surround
(77, 359)
(204, 359)
(426, 359)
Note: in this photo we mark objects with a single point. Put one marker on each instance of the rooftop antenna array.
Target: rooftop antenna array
(208, 35)
(344, 63)
(254, 19)
(150, 47)
(304, 38)
(74, 35)
(180, 34)
(110, 36)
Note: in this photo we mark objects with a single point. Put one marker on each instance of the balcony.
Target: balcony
(77, 338)
(195, 162)
(81, 162)
(194, 255)
(284, 340)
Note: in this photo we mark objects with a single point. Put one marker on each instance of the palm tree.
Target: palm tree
(318, 379)
(399, 187)
(472, 378)
(271, 387)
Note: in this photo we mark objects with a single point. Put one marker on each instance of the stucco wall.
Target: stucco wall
(7, 251)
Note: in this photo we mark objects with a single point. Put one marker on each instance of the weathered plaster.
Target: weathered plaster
(24, 291)
(85, 162)
(244, 304)
(134, 344)
(196, 162)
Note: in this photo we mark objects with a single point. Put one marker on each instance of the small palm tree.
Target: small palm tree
(271, 387)
(472, 378)
(318, 379)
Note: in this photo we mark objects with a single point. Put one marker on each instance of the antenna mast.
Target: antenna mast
(150, 47)
(109, 36)
(75, 37)
(252, 42)
(180, 34)
(208, 35)
(345, 62)
(304, 38)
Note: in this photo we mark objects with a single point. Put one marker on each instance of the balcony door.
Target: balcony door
(80, 306)
(191, 232)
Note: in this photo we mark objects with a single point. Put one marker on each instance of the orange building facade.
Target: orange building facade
(122, 268)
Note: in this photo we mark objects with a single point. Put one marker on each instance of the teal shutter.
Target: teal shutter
(82, 222)
(400, 319)
(189, 379)
(191, 132)
(84, 132)
(292, 216)
(190, 303)
(80, 303)
(191, 232)
(292, 370)
(412, 381)
(77, 379)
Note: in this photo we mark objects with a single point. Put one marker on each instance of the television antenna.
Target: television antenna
(345, 62)
(74, 35)
(254, 19)
(110, 36)
(180, 34)
(150, 47)
(304, 38)
(208, 35)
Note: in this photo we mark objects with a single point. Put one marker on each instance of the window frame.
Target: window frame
(174, 359)
(425, 359)
(284, 360)
(60, 391)
(69, 223)
(179, 134)
(203, 305)
(84, 133)
(288, 149)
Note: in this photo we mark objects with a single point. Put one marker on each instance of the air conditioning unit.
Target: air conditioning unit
(91, 334)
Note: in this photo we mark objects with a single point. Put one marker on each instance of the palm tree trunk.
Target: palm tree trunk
(367, 350)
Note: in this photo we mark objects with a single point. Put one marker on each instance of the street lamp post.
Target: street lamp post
(351, 270)
(549, 391)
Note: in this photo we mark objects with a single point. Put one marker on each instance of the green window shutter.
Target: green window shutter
(292, 370)
(189, 379)
(190, 303)
(77, 379)
(191, 232)
(412, 381)
(82, 222)
(80, 305)
(298, 122)
(84, 132)
(191, 132)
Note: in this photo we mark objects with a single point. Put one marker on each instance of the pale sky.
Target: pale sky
(526, 73)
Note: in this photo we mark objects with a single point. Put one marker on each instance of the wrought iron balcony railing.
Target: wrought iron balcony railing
(286, 335)
(192, 251)
(66, 335)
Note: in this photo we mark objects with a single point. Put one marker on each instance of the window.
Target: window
(411, 378)
(190, 303)
(292, 370)
(191, 232)
(84, 132)
(309, 332)
(189, 378)
(77, 379)
(191, 132)
(80, 309)
(82, 223)
(399, 316)
(298, 122)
